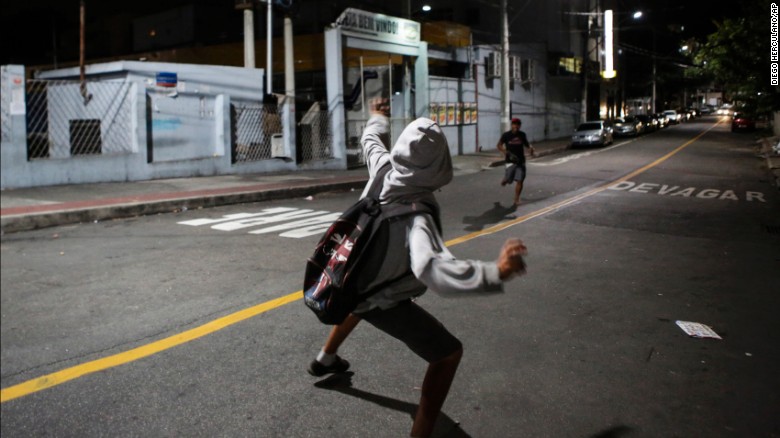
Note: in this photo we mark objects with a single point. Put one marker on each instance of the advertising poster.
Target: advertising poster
(434, 111)
(474, 112)
(459, 113)
(451, 113)
(443, 114)
(467, 113)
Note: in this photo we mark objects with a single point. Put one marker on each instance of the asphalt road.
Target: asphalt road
(119, 316)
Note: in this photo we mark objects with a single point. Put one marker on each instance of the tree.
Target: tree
(736, 57)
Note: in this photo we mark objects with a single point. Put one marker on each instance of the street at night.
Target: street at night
(192, 324)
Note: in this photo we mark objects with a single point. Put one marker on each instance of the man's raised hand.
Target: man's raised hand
(380, 106)
(510, 260)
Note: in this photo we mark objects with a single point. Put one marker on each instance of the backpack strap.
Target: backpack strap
(375, 190)
(399, 209)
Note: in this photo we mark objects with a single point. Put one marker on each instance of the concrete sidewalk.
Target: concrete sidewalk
(40, 207)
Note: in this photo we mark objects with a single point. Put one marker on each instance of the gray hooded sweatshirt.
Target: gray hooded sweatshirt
(421, 163)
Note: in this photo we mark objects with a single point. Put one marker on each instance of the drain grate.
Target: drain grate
(772, 229)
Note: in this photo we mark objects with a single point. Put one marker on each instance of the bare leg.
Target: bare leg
(518, 190)
(340, 333)
(435, 388)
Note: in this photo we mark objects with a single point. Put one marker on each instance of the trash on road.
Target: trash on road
(698, 330)
(310, 198)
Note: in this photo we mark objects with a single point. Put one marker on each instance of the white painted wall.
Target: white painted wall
(548, 107)
(200, 146)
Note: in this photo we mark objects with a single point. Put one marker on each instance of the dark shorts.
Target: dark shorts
(515, 172)
(418, 329)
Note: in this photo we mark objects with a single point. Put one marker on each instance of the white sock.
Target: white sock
(325, 358)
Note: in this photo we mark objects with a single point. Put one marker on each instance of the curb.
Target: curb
(26, 222)
(31, 221)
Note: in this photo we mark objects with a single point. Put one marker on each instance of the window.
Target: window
(569, 66)
(527, 70)
(85, 137)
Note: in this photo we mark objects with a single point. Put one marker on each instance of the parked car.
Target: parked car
(673, 116)
(650, 123)
(707, 109)
(743, 121)
(597, 132)
(628, 126)
(663, 121)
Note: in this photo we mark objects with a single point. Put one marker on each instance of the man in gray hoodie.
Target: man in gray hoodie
(421, 164)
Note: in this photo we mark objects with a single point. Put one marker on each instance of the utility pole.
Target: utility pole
(268, 52)
(654, 96)
(289, 60)
(505, 113)
(585, 67)
(54, 40)
(82, 79)
(288, 109)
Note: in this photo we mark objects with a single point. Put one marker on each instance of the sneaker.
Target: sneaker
(317, 369)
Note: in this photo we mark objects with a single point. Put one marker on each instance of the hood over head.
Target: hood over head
(421, 162)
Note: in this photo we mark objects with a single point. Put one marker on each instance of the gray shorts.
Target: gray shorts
(515, 172)
(418, 329)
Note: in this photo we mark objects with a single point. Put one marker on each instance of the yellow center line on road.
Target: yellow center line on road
(80, 370)
(76, 371)
(581, 196)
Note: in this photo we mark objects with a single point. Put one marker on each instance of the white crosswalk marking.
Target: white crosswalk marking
(307, 227)
(230, 217)
(262, 220)
(295, 223)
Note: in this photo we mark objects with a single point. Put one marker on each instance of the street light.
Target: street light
(426, 8)
(608, 38)
(609, 71)
(637, 15)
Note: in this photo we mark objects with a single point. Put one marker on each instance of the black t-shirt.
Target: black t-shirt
(515, 144)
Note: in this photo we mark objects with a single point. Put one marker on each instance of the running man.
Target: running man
(512, 146)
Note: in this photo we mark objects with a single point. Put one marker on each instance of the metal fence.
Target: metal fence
(316, 137)
(254, 126)
(67, 118)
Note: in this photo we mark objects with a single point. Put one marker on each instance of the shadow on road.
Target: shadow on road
(446, 427)
(490, 217)
(613, 432)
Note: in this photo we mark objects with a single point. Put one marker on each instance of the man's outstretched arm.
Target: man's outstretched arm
(376, 137)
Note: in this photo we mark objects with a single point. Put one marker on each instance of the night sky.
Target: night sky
(29, 27)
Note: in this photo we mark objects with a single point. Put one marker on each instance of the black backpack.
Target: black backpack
(350, 254)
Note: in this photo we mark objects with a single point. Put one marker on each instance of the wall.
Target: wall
(109, 102)
(527, 101)
(191, 152)
(549, 106)
(461, 138)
